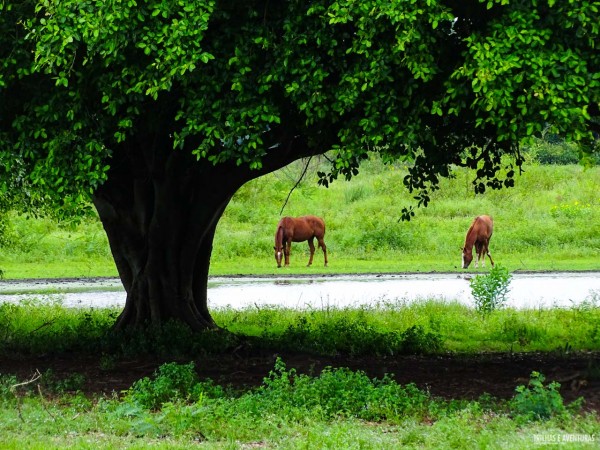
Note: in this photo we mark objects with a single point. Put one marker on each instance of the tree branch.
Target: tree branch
(296, 185)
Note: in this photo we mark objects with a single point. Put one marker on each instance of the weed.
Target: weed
(71, 383)
(340, 392)
(7, 383)
(489, 291)
(171, 382)
(415, 340)
(539, 402)
(572, 210)
(107, 362)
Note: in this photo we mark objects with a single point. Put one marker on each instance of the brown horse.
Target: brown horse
(479, 235)
(299, 229)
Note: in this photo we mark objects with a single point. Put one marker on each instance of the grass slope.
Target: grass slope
(549, 221)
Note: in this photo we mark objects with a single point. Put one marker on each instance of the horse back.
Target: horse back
(303, 228)
(483, 227)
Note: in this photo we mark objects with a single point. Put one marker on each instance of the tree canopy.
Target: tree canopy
(159, 111)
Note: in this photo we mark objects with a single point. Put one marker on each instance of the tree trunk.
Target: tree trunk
(160, 209)
(160, 232)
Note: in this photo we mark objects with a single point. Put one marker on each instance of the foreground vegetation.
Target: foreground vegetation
(388, 327)
(549, 221)
(337, 408)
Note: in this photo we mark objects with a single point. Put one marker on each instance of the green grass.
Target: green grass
(337, 409)
(383, 328)
(549, 221)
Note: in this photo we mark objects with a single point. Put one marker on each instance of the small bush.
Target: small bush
(338, 392)
(171, 381)
(489, 291)
(415, 340)
(355, 337)
(560, 153)
(7, 383)
(71, 383)
(539, 402)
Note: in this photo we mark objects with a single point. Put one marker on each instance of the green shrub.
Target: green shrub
(339, 392)
(489, 291)
(171, 382)
(560, 153)
(539, 402)
(7, 383)
(354, 336)
(415, 340)
(70, 383)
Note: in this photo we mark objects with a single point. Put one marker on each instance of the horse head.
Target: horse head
(467, 257)
(278, 255)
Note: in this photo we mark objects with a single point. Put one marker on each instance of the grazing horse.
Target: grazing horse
(299, 229)
(479, 235)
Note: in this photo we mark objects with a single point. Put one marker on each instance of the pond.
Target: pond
(527, 290)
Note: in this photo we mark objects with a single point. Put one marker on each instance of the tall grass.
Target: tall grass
(550, 220)
(384, 328)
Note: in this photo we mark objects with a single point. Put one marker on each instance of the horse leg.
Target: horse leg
(478, 250)
(311, 246)
(487, 250)
(287, 250)
(324, 248)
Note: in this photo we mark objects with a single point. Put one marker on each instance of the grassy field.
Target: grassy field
(288, 412)
(337, 408)
(549, 221)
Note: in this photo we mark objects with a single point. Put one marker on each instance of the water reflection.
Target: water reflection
(526, 290)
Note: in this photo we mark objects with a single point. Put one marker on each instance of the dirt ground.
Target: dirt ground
(448, 376)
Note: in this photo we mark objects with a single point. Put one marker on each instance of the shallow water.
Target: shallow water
(563, 289)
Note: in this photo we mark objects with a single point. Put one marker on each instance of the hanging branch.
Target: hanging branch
(296, 185)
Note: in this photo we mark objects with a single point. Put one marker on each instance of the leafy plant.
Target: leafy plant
(416, 340)
(6, 387)
(554, 152)
(353, 336)
(70, 383)
(489, 291)
(539, 402)
(339, 392)
(171, 381)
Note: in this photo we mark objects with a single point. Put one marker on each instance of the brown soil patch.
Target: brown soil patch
(447, 376)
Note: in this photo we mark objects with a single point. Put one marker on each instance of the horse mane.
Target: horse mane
(469, 232)
(279, 236)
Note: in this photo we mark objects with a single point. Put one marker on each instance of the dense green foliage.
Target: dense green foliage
(158, 112)
(78, 77)
(536, 401)
(338, 408)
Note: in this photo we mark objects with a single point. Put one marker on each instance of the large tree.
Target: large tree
(158, 111)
